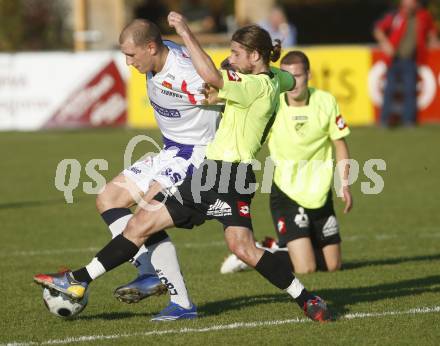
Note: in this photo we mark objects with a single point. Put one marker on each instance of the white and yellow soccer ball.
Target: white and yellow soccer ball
(61, 305)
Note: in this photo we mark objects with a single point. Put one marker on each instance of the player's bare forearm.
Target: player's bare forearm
(383, 41)
(202, 62)
(342, 154)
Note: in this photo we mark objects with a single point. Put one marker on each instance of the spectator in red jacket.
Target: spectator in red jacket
(404, 36)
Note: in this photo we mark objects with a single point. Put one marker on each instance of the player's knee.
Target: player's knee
(333, 266)
(138, 227)
(305, 268)
(101, 202)
(109, 199)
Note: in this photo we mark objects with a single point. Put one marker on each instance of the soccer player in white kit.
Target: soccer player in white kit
(175, 92)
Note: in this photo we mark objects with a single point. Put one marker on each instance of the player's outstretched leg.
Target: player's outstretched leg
(241, 243)
(113, 205)
(118, 251)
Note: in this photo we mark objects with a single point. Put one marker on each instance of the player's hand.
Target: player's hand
(347, 199)
(178, 22)
(388, 48)
(211, 95)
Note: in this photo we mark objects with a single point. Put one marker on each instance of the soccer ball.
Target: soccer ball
(61, 305)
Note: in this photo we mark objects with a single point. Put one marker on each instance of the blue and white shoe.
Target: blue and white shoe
(142, 287)
(62, 282)
(175, 312)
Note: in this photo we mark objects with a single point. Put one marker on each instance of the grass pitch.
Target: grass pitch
(388, 292)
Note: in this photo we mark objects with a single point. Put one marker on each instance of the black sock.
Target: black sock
(118, 251)
(285, 257)
(156, 238)
(276, 271)
(303, 298)
(113, 214)
(82, 275)
(279, 273)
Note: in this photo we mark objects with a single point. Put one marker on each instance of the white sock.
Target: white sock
(164, 260)
(119, 225)
(95, 268)
(295, 288)
(144, 265)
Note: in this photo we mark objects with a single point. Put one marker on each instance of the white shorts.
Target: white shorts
(169, 167)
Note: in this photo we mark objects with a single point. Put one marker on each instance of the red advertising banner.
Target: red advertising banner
(428, 87)
(100, 102)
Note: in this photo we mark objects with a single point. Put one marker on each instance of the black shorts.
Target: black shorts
(216, 190)
(292, 221)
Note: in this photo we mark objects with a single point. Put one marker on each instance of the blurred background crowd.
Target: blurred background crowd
(380, 58)
(28, 25)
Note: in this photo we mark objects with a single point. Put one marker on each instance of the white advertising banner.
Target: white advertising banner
(62, 90)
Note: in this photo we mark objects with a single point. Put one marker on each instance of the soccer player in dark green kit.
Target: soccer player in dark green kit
(222, 187)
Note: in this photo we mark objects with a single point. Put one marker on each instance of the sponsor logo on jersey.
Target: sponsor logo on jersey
(170, 76)
(165, 112)
(331, 227)
(167, 84)
(300, 117)
(301, 219)
(191, 97)
(281, 225)
(233, 76)
(243, 209)
(299, 128)
(219, 208)
(340, 122)
(170, 93)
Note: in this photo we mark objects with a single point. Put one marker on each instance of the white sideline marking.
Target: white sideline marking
(237, 325)
(94, 249)
(384, 237)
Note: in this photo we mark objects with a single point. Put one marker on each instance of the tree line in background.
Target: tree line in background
(33, 25)
(30, 25)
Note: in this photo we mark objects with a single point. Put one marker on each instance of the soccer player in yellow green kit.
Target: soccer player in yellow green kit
(223, 186)
(307, 124)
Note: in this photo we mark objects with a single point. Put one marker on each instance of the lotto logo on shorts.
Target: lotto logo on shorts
(233, 76)
(243, 209)
(281, 225)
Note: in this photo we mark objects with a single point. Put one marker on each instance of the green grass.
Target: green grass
(391, 252)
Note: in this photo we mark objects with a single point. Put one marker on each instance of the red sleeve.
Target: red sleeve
(430, 23)
(384, 23)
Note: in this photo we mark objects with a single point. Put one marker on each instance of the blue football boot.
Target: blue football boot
(175, 312)
(143, 286)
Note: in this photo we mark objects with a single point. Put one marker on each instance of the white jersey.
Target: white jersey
(175, 95)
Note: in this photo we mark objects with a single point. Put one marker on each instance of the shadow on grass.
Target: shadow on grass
(109, 316)
(389, 261)
(39, 203)
(338, 299)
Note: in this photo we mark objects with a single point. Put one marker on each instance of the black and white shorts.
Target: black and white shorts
(292, 221)
(216, 190)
